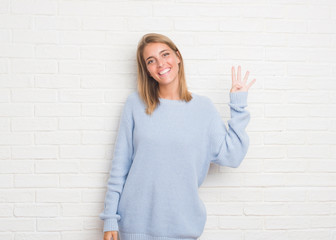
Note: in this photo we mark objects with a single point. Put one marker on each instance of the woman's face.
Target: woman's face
(161, 62)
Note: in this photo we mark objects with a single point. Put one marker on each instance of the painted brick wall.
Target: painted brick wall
(67, 66)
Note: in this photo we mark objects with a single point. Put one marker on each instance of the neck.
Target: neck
(169, 92)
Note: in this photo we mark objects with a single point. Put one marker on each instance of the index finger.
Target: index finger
(233, 72)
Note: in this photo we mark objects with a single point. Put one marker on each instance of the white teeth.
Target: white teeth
(165, 71)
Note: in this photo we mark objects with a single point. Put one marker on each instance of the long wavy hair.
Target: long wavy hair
(148, 87)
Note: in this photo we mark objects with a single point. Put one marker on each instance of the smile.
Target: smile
(164, 71)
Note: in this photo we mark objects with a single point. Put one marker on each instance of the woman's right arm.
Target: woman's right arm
(121, 163)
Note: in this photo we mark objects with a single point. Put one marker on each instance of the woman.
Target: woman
(166, 140)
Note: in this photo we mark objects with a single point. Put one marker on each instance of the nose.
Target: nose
(160, 62)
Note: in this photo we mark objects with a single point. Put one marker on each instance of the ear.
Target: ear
(178, 56)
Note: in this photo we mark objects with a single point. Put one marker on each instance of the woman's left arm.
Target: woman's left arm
(228, 147)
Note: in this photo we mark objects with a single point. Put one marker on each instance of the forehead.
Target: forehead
(153, 49)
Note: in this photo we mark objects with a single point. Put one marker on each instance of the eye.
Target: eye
(166, 54)
(149, 62)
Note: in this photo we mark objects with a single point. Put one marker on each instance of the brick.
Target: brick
(313, 151)
(285, 26)
(37, 236)
(58, 166)
(16, 195)
(321, 165)
(245, 25)
(265, 209)
(283, 222)
(239, 222)
(57, 109)
(33, 124)
(107, 53)
(57, 23)
(16, 110)
(104, 23)
(100, 166)
(17, 166)
(321, 234)
(284, 165)
(79, 96)
(16, 138)
(58, 137)
(150, 24)
(48, 7)
(39, 152)
(16, 51)
(219, 209)
(303, 209)
(10, 224)
(36, 210)
(86, 8)
(13, 80)
(57, 52)
(82, 151)
(321, 194)
(311, 179)
(84, 67)
(15, 21)
(285, 194)
(112, 81)
(35, 37)
(82, 209)
(321, 26)
(6, 210)
(4, 97)
(284, 138)
(78, 181)
(60, 224)
(57, 195)
(59, 81)
(38, 181)
(30, 95)
(87, 123)
(93, 195)
(82, 37)
(4, 66)
(5, 152)
(206, 25)
(34, 66)
(4, 7)
(257, 180)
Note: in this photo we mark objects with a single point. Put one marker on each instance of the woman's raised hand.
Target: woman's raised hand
(237, 84)
(111, 235)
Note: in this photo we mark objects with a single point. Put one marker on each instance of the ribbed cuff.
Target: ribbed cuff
(111, 224)
(239, 98)
(142, 236)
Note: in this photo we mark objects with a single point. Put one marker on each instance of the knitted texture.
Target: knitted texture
(161, 160)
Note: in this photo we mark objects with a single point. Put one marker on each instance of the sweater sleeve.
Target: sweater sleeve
(121, 163)
(228, 147)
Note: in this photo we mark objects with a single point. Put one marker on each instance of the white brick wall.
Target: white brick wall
(67, 66)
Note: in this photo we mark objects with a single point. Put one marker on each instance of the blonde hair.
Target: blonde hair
(147, 86)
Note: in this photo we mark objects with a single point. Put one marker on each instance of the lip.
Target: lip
(169, 69)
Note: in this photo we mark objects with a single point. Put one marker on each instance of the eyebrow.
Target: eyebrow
(159, 52)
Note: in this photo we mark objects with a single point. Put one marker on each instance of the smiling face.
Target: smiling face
(161, 63)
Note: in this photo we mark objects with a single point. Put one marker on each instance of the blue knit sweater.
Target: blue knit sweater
(161, 160)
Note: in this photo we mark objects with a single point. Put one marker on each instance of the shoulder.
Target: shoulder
(205, 103)
(132, 98)
(130, 102)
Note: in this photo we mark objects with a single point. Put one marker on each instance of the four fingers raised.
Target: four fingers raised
(237, 82)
